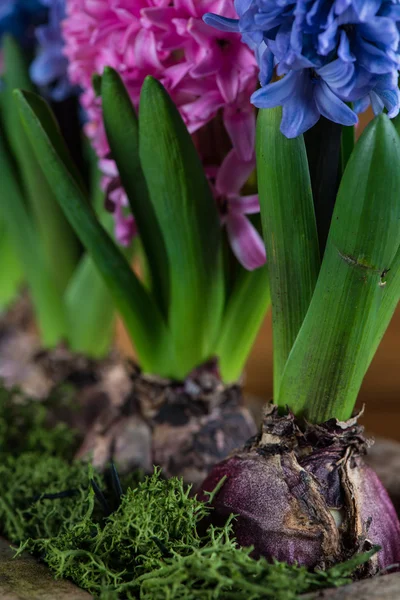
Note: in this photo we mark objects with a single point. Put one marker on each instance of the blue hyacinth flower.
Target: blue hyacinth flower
(36, 24)
(20, 17)
(326, 54)
(49, 69)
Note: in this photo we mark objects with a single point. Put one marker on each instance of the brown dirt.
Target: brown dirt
(184, 427)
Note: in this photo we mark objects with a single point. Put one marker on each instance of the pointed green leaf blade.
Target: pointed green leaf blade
(188, 218)
(390, 300)
(58, 240)
(289, 230)
(243, 316)
(332, 351)
(122, 130)
(391, 293)
(91, 323)
(140, 313)
(45, 295)
(11, 271)
(347, 146)
(91, 327)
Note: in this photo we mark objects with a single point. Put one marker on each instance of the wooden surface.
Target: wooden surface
(377, 588)
(27, 579)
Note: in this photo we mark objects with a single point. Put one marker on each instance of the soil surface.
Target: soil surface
(26, 579)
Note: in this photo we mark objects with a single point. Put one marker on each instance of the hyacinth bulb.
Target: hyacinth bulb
(304, 495)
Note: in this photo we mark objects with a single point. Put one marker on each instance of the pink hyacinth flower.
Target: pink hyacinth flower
(205, 71)
(246, 242)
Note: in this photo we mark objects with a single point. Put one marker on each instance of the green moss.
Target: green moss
(23, 426)
(151, 547)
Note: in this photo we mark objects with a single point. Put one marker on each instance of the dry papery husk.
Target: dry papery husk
(18, 342)
(303, 493)
(184, 427)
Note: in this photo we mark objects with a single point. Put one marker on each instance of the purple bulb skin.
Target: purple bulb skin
(373, 515)
(302, 494)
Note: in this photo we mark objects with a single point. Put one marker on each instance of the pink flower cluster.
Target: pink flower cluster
(204, 70)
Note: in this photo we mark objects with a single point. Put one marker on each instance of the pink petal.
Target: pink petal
(207, 62)
(244, 205)
(246, 242)
(199, 112)
(223, 7)
(173, 75)
(108, 167)
(202, 33)
(228, 83)
(187, 5)
(160, 17)
(125, 227)
(145, 51)
(233, 174)
(241, 127)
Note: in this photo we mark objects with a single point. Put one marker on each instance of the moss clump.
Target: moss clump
(150, 547)
(23, 427)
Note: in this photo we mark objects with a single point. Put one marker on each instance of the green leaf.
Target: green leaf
(289, 230)
(347, 146)
(138, 309)
(390, 300)
(332, 351)
(59, 243)
(122, 130)
(11, 271)
(241, 322)
(46, 298)
(90, 309)
(91, 323)
(391, 293)
(188, 218)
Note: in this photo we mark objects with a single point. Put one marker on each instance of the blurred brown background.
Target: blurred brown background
(381, 388)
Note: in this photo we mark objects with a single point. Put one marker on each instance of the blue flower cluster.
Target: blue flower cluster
(326, 54)
(49, 69)
(36, 24)
(19, 18)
